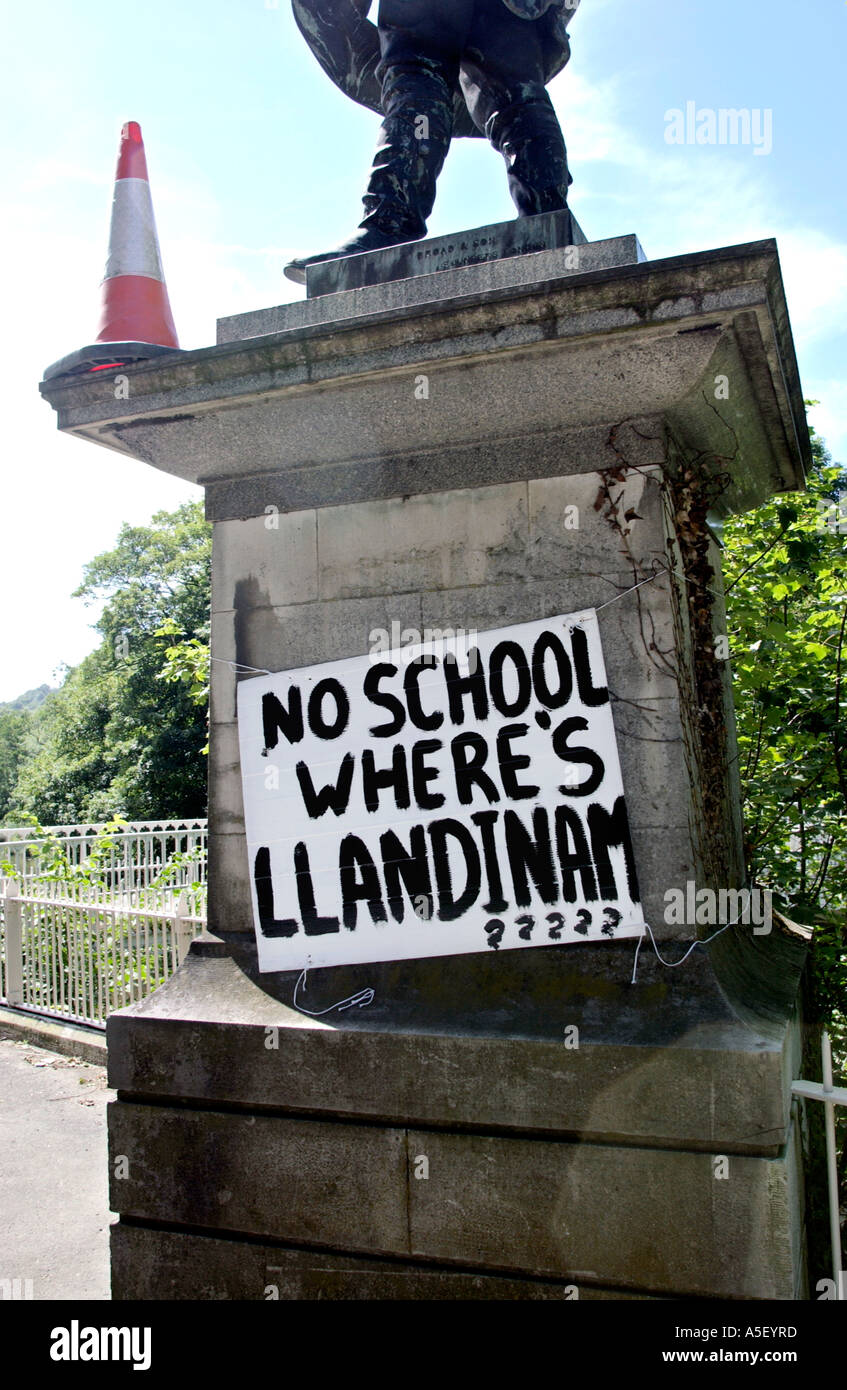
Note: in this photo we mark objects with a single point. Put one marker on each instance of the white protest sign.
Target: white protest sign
(437, 800)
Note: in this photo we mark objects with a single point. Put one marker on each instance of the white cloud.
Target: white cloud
(587, 114)
(830, 417)
(815, 272)
(678, 199)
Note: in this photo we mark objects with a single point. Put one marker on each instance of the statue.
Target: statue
(435, 69)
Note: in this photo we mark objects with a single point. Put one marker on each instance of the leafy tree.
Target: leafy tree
(14, 725)
(116, 738)
(188, 662)
(785, 573)
(17, 741)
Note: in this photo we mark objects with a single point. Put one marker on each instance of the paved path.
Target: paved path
(54, 1206)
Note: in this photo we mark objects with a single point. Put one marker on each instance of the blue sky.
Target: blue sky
(253, 156)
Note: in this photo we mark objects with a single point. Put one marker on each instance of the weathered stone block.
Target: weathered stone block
(572, 532)
(229, 907)
(227, 804)
(169, 1265)
(289, 1179)
(558, 1208)
(438, 540)
(277, 550)
(548, 358)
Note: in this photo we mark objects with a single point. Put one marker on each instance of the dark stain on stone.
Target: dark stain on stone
(148, 421)
(249, 595)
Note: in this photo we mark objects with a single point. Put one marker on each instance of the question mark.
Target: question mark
(613, 917)
(526, 929)
(495, 930)
(558, 925)
(584, 921)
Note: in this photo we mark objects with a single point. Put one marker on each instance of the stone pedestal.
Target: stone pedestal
(472, 448)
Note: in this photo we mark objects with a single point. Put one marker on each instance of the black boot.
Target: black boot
(415, 138)
(370, 237)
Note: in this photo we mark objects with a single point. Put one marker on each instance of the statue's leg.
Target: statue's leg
(421, 45)
(502, 78)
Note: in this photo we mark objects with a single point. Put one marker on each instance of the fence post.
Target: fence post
(183, 928)
(14, 942)
(832, 1167)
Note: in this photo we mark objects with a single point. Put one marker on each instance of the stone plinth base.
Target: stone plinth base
(564, 1130)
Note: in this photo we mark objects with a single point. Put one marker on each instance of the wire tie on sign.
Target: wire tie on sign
(363, 998)
(672, 964)
(240, 666)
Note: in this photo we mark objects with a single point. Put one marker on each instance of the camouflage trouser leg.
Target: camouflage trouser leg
(414, 140)
(421, 47)
(502, 79)
(427, 46)
(526, 131)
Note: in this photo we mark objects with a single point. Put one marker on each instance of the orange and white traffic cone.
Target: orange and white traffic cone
(135, 320)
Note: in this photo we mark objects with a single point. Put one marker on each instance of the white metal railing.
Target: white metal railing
(140, 851)
(830, 1096)
(79, 952)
